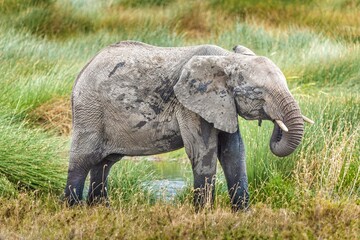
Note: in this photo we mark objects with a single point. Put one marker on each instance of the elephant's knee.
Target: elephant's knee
(83, 162)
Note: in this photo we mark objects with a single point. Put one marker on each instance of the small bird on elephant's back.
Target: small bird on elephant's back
(134, 99)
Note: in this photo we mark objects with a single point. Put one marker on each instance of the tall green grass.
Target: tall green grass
(129, 182)
(63, 19)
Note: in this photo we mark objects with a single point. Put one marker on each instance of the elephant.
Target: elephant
(135, 99)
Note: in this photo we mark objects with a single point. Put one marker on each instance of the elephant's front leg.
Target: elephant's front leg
(204, 172)
(200, 142)
(232, 159)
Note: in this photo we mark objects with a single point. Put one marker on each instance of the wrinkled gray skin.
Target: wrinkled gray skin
(133, 99)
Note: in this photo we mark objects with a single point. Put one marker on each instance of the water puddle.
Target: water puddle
(172, 177)
(166, 189)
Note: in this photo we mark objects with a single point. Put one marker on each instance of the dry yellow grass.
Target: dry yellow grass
(31, 218)
(328, 170)
(54, 115)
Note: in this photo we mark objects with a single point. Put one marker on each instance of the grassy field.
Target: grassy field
(312, 194)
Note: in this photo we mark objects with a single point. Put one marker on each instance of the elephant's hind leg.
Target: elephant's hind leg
(78, 170)
(84, 154)
(98, 180)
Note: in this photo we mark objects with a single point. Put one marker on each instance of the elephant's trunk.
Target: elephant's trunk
(284, 143)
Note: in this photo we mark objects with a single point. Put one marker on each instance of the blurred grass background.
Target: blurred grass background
(45, 43)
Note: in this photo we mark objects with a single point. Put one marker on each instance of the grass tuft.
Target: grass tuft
(7, 189)
(30, 159)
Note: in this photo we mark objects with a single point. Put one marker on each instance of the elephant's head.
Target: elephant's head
(218, 88)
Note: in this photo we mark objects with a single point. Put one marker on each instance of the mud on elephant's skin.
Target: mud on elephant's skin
(135, 99)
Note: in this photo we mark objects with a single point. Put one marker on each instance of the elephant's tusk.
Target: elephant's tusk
(308, 120)
(282, 125)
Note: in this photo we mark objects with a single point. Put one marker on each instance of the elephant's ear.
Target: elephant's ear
(202, 89)
(243, 50)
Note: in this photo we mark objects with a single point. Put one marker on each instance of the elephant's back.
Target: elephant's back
(139, 64)
(134, 63)
(128, 86)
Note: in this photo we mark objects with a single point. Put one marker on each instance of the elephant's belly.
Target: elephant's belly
(133, 138)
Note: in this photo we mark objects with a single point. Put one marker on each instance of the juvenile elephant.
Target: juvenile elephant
(134, 99)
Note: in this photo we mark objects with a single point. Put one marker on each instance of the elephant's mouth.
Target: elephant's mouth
(257, 112)
(278, 132)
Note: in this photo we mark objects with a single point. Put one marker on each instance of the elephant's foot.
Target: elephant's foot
(98, 201)
(204, 197)
(244, 207)
(98, 196)
(71, 198)
(240, 201)
(74, 187)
